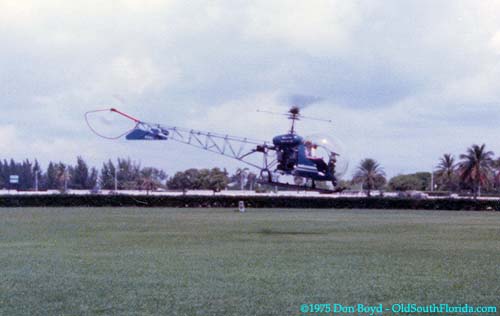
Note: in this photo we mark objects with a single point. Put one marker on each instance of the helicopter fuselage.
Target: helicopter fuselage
(293, 159)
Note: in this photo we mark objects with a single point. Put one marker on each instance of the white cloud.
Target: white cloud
(8, 138)
(319, 28)
(494, 43)
(136, 76)
(240, 117)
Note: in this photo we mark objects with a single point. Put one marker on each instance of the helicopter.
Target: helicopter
(288, 154)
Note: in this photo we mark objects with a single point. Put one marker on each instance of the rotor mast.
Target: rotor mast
(294, 115)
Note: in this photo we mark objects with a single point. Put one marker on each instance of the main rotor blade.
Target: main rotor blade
(298, 116)
(315, 119)
(273, 113)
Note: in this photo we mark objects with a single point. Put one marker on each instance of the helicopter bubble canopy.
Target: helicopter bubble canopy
(328, 145)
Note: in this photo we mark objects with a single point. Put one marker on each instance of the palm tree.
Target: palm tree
(475, 166)
(446, 171)
(370, 174)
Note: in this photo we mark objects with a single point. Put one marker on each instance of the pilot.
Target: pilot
(311, 155)
(308, 146)
(313, 150)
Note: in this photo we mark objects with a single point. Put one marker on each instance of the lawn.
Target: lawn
(162, 261)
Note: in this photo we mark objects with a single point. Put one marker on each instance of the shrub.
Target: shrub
(251, 201)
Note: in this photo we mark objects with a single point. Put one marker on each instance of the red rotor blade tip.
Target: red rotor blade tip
(125, 114)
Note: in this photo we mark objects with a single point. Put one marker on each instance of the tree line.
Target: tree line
(476, 171)
(124, 174)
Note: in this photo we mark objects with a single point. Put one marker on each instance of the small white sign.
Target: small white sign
(14, 179)
(241, 206)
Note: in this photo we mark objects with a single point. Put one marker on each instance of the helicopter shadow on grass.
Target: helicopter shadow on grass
(275, 232)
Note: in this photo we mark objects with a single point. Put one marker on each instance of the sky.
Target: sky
(402, 81)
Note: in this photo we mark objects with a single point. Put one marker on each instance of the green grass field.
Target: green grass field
(129, 261)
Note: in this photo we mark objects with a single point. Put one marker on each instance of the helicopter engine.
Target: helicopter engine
(287, 151)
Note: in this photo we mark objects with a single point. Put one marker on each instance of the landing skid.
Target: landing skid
(302, 187)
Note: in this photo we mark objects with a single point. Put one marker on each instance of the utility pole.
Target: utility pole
(432, 181)
(116, 179)
(36, 180)
(65, 179)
